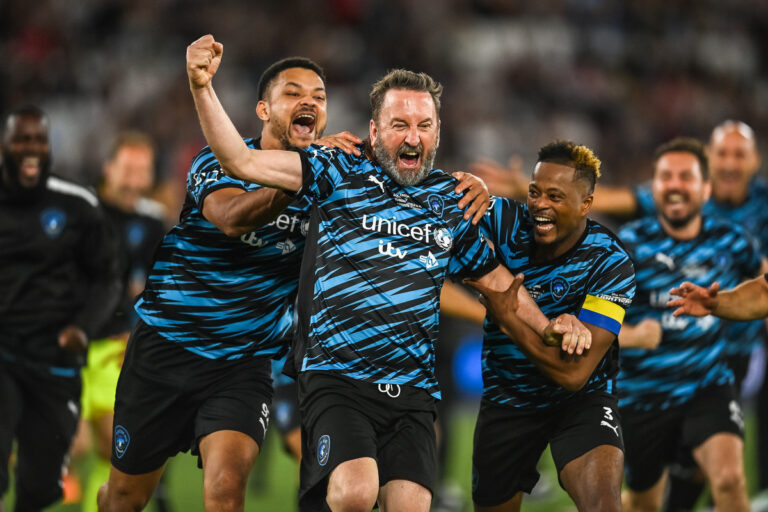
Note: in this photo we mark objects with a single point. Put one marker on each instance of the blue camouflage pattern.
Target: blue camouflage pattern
(597, 265)
(690, 356)
(225, 297)
(376, 258)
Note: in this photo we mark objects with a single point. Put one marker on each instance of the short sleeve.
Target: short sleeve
(502, 220)
(471, 255)
(323, 169)
(610, 293)
(205, 176)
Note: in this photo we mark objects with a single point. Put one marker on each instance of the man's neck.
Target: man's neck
(551, 252)
(735, 200)
(269, 141)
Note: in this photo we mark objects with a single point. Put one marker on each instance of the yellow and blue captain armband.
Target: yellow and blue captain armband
(602, 313)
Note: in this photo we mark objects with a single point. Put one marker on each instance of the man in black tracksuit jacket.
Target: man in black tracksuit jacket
(58, 285)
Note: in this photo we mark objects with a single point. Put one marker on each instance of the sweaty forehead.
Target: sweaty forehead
(678, 161)
(405, 103)
(297, 77)
(25, 124)
(732, 137)
(552, 173)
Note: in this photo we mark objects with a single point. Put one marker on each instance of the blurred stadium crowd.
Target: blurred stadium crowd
(620, 77)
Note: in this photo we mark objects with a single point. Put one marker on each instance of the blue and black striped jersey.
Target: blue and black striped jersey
(594, 280)
(752, 215)
(376, 257)
(220, 296)
(690, 354)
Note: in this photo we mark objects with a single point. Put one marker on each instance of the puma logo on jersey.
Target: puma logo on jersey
(615, 429)
(376, 180)
(666, 260)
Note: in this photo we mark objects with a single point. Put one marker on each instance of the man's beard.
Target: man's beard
(682, 221)
(389, 164)
(280, 131)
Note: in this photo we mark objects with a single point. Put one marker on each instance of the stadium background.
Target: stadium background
(620, 77)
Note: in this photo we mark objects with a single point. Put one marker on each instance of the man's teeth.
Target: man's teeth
(675, 198)
(543, 220)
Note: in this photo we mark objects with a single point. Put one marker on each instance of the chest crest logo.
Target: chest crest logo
(559, 288)
(436, 204)
(53, 221)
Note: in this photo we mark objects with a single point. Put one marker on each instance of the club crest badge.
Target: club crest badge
(558, 288)
(323, 449)
(53, 221)
(122, 440)
(135, 233)
(436, 204)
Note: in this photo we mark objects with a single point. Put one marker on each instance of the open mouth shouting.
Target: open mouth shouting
(409, 157)
(303, 124)
(29, 170)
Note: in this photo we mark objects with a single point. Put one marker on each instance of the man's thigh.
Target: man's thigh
(586, 423)
(45, 431)
(407, 450)
(338, 434)
(12, 406)
(651, 440)
(154, 419)
(715, 410)
(507, 448)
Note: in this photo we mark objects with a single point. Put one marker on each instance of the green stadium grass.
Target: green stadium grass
(274, 480)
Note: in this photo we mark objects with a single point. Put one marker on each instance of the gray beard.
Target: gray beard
(389, 165)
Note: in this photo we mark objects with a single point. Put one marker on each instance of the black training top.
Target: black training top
(57, 268)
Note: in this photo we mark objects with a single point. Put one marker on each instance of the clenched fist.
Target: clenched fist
(203, 59)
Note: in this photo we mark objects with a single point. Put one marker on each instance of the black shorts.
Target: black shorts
(345, 419)
(508, 443)
(285, 408)
(739, 365)
(654, 439)
(41, 412)
(168, 398)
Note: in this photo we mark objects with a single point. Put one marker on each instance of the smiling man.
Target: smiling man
(217, 306)
(677, 391)
(535, 395)
(59, 285)
(368, 294)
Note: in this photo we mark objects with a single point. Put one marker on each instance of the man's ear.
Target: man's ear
(586, 204)
(262, 110)
(372, 132)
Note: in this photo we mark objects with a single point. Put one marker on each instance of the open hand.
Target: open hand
(344, 141)
(475, 195)
(694, 300)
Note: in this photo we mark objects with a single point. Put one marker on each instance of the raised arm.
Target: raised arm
(278, 169)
